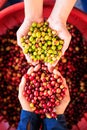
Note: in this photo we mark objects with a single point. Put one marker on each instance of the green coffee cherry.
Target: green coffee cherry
(46, 37)
(31, 38)
(22, 39)
(31, 29)
(42, 43)
(38, 34)
(23, 44)
(61, 42)
(53, 47)
(25, 51)
(59, 47)
(34, 24)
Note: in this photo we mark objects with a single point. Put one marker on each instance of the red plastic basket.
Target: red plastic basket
(14, 15)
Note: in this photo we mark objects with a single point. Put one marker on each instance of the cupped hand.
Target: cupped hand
(64, 103)
(22, 31)
(63, 33)
(24, 103)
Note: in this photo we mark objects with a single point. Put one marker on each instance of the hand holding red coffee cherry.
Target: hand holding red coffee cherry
(60, 109)
(43, 91)
(64, 103)
(24, 103)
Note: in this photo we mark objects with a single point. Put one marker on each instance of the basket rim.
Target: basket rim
(76, 17)
(19, 6)
(10, 9)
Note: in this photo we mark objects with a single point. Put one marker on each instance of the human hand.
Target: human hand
(24, 103)
(64, 103)
(22, 31)
(63, 33)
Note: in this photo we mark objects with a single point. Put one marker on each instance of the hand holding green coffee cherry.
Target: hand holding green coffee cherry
(23, 31)
(42, 43)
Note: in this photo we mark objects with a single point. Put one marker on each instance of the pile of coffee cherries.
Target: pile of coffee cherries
(73, 67)
(13, 66)
(44, 91)
(42, 43)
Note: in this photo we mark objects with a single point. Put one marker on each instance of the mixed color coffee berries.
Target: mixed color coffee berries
(13, 66)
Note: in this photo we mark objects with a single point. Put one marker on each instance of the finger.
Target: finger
(48, 115)
(18, 41)
(19, 36)
(65, 45)
(67, 91)
(37, 67)
(23, 81)
(21, 85)
(67, 95)
(57, 72)
(64, 82)
(67, 39)
(65, 35)
(30, 70)
(22, 31)
(30, 60)
(50, 68)
(46, 63)
(54, 64)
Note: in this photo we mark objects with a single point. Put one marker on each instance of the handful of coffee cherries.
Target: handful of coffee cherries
(43, 89)
(42, 43)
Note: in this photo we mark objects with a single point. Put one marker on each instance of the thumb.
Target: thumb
(65, 35)
(22, 31)
(21, 85)
(28, 58)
